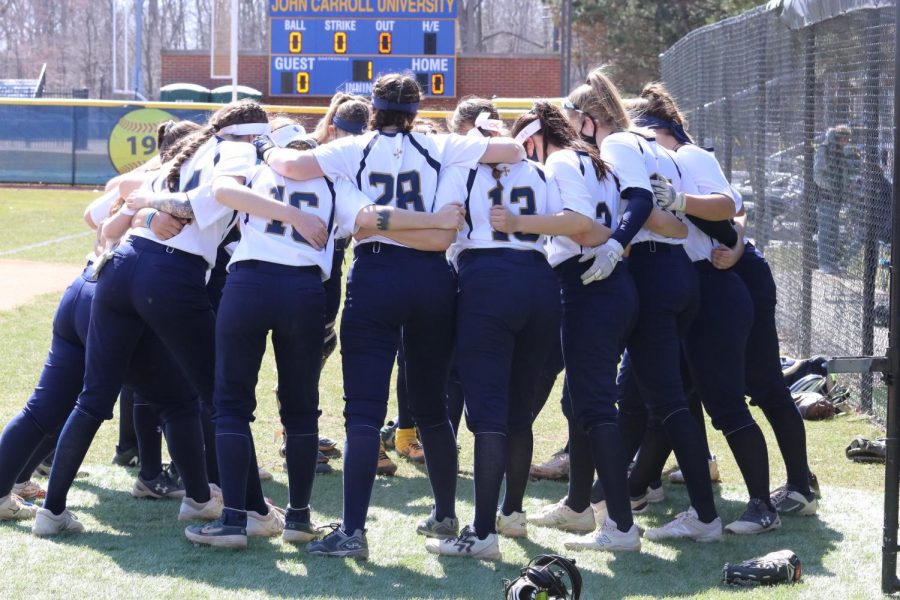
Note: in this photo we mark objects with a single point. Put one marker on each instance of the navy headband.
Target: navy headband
(677, 129)
(382, 104)
(349, 126)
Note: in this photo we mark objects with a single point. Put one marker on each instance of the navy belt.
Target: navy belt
(391, 249)
(271, 268)
(146, 245)
(651, 247)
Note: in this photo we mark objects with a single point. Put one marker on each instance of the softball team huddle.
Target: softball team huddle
(597, 236)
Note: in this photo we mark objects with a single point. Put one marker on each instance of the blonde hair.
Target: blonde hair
(600, 100)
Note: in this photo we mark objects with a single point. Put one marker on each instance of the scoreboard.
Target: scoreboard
(319, 47)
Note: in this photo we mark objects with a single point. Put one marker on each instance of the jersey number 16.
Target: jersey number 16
(276, 227)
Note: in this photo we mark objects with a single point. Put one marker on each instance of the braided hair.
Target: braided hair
(234, 113)
(556, 130)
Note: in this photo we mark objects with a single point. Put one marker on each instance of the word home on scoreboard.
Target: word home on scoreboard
(320, 47)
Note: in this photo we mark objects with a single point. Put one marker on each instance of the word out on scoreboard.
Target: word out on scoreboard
(319, 47)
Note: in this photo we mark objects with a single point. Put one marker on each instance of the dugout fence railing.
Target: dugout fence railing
(775, 91)
(87, 142)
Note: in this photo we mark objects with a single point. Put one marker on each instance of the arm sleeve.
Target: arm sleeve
(341, 158)
(348, 202)
(461, 150)
(637, 210)
(721, 231)
(572, 189)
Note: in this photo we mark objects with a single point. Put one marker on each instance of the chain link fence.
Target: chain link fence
(800, 113)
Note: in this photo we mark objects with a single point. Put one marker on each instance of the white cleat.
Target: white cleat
(512, 526)
(599, 510)
(560, 516)
(203, 511)
(46, 523)
(655, 495)
(608, 538)
(687, 525)
(14, 508)
(268, 525)
(467, 545)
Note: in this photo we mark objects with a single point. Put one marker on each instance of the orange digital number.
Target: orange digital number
(437, 84)
(295, 42)
(384, 42)
(302, 82)
(369, 70)
(340, 42)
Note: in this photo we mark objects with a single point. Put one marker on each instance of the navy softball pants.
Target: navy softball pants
(393, 290)
(260, 297)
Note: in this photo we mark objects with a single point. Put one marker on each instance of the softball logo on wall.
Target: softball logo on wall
(132, 141)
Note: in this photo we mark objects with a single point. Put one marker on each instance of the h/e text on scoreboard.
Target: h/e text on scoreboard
(319, 47)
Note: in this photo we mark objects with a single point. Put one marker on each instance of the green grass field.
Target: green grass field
(136, 549)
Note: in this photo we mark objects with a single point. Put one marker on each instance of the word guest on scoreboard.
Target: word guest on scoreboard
(319, 47)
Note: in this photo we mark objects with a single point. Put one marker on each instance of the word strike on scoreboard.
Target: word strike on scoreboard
(319, 47)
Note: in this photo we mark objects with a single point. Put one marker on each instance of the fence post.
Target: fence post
(74, 143)
(809, 188)
(871, 167)
(757, 167)
(728, 108)
(889, 581)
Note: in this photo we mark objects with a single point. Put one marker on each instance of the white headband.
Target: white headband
(484, 121)
(529, 130)
(283, 136)
(246, 129)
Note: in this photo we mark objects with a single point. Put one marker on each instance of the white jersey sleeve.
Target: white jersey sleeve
(236, 159)
(99, 208)
(452, 186)
(624, 152)
(707, 172)
(349, 201)
(343, 157)
(461, 150)
(565, 169)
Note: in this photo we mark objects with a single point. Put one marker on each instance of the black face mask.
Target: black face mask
(590, 139)
(534, 156)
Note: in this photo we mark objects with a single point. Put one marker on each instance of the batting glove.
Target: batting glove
(263, 144)
(666, 196)
(605, 257)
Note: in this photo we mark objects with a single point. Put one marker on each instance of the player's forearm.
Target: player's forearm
(712, 207)
(113, 228)
(597, 236)
(177, 205)
(388, 218)
(666, 224)
(228, 192)
(294, 164)
(503, 150)
(427, 240)
(566, 222)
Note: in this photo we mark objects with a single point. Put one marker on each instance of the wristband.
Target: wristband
(150, 218)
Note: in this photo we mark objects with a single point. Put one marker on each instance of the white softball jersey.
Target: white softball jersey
(212, 220)
(580, 190)
(336, 203)
(398, 169)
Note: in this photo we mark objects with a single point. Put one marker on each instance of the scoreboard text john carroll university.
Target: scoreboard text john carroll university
(319, 47)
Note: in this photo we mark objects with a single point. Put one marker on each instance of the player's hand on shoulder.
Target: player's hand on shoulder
(263, 144)
(165, 226)
(311, 227)
(451, 216)
(503, 219)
